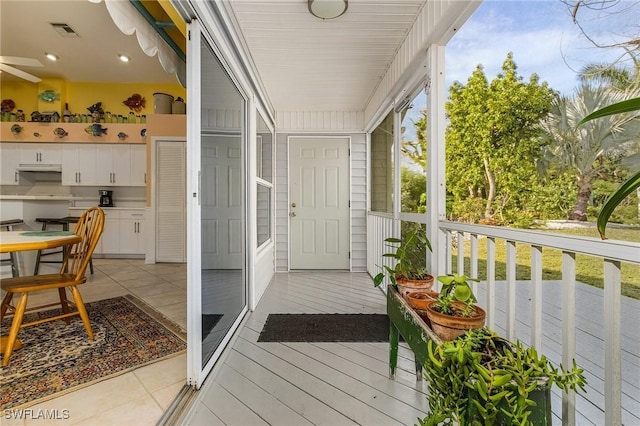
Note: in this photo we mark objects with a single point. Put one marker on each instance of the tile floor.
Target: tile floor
(141, 396)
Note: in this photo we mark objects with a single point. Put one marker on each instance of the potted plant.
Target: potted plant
(455, 310)
(480, 378)
(409, 273)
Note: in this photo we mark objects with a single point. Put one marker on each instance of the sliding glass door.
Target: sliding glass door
(216, 256)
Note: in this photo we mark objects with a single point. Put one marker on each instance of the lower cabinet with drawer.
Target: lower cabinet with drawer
(123, 231)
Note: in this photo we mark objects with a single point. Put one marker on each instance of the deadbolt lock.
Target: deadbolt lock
(293, 205)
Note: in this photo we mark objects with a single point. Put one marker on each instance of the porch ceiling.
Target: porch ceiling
(308, 64)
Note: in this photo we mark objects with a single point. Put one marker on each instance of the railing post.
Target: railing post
(491, 281)
(473, 261)
(568, 331)
(511, 290)
(536, 297)
(612, 341)
(460, 242)
(448, 255)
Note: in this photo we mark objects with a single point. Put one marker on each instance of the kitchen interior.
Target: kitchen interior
(58, 156)
(63, 159)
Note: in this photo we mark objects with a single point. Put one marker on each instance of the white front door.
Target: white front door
(319, 202)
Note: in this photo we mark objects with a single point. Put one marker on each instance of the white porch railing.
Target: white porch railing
(536, 311)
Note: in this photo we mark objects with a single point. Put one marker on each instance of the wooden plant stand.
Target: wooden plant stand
(403, 320)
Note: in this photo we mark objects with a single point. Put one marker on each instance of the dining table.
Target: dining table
(15, 241)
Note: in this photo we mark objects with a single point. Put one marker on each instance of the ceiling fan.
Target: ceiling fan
(7, 61)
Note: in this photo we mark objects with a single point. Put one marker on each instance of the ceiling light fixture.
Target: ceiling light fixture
(327, 9)
(124, 58)
(51, 56)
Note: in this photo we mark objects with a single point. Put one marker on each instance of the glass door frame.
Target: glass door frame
(196, 371)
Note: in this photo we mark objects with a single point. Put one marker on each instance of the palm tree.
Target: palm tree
(584, 149)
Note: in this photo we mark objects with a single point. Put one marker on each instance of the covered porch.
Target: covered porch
(347, 383)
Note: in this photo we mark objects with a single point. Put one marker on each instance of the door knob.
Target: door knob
(292, 214)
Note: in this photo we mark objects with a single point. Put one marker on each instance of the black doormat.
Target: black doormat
(325, 328)
(208, 322)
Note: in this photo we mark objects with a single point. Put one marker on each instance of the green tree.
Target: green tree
(412, 188)
(416, 150)
(588, 150)
(492, 140)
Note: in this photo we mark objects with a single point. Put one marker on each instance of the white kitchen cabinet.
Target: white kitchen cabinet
(132, 232)
(113, 166)
(40, 153)
(110, 239)
(79, 165)
(138, 165)
(123, 232)
(9, 160)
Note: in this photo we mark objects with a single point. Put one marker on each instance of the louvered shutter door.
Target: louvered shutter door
(170, 207)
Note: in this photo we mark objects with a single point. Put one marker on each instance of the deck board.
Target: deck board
(347, 383)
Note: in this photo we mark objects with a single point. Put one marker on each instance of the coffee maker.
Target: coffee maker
(106, 198)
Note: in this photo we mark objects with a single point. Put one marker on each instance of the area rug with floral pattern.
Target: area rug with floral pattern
(57, 358)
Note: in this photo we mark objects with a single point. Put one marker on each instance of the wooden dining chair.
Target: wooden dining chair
(89, 227)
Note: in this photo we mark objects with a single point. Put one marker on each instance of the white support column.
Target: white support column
(536, 297)
(568, 331)
(612, 333)
(436, 124)
(397, 194)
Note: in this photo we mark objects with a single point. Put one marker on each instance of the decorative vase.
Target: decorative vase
(448, 327)
(162, 103)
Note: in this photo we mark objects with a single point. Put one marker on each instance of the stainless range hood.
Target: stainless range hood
(39, 167)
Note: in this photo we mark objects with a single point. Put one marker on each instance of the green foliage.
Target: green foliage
(409, 253)
(455, 288)
(492, 142)
(495, 377)
(468, 209)
(553, 195)
(588, 151)
(413, 186)
(416, 150)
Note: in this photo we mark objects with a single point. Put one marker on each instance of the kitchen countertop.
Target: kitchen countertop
(59, 197)
(56, 197)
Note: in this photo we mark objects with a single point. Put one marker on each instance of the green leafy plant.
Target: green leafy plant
(630, 185)
(409, 254)
(483, 379)
(456, 288)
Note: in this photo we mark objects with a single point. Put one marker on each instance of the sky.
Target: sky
(543, 38)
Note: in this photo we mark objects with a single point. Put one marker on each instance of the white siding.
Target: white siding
(296, 121)
(264, 269)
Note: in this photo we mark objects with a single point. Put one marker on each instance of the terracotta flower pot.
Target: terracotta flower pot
(406, 285)
(448, 327)
(420, 299)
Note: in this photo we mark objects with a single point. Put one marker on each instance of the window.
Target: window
(382, 166)
(264, 181)
(413, 155)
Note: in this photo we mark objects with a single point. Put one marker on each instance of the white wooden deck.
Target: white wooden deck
(347, 383)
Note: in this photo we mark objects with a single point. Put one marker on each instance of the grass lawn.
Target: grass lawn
(589, 270)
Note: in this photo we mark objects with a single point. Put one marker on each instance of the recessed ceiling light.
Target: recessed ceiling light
(124, 58)
(51, 56)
